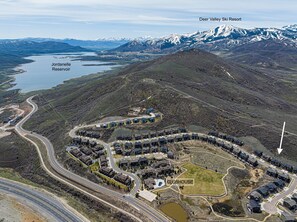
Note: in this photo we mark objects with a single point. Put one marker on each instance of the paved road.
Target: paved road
(49, 206)
(137, 181)
(271, 205)
(6, 126)
(112, 164)
(143, 208)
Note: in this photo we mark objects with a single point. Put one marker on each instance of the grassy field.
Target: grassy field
(217, 163)
(202, 152)
(206, 182)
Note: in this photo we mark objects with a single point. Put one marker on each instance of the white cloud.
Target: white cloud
(163, 13)
(153, 11)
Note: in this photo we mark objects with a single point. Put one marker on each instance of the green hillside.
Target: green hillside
(190, 88)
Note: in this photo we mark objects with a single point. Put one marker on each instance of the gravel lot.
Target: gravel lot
(13, 211)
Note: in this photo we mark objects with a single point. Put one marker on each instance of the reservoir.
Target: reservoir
(47, 71)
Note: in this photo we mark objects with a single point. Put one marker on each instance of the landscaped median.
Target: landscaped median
(206, 182)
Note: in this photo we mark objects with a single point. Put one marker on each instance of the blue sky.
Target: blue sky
(93, 19)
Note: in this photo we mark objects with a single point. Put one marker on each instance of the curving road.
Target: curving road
(6, 126)
(112, 164)
(149, 212)
(53, 208)
(140, 206)
(271, 205)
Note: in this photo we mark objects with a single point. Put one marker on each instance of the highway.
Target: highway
(46, 204)
(151, 213)
(140, 206)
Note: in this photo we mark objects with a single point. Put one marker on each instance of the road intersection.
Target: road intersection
(64, 175)
(270, 206)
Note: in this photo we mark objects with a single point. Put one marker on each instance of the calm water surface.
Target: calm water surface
(40, 74)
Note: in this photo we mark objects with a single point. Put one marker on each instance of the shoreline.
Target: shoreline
(11, 77)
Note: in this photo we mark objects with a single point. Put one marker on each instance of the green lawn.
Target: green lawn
(94, 167)
(206, 182)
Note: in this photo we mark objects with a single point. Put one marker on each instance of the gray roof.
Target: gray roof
(263, 190)
(123, 161)
(236, 150)
(255, 194)
(287, 217)
(142, 159)
(252, 160)
(283, 175)
(271, 170)
(294, 196)
(290, 202)
(134, 161)
(271, 185)
(254, 204)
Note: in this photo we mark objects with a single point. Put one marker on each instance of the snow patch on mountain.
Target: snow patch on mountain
(291, 28)
(223, 37)
(227, 73)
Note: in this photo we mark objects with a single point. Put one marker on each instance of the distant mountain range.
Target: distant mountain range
(100, 44)
(26, 48)
(265, 47)
(221, 38)
(13, 51)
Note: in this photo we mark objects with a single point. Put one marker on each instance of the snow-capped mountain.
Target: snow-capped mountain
(292, 28)
(224, 37)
